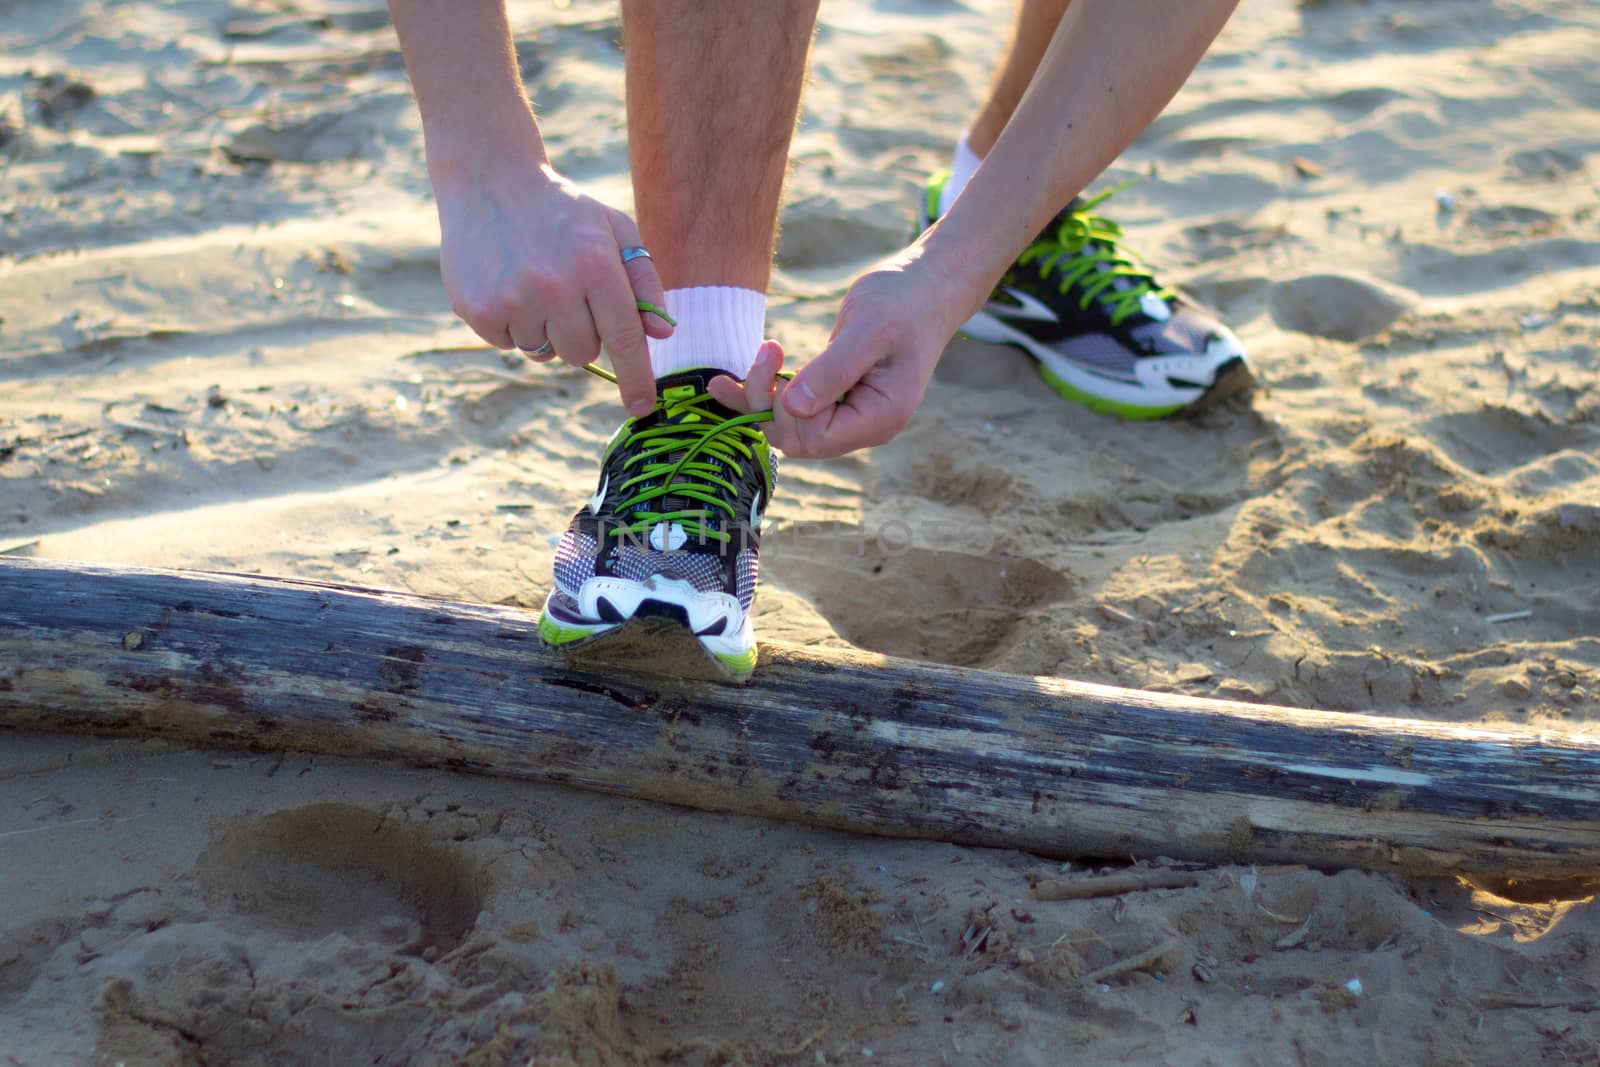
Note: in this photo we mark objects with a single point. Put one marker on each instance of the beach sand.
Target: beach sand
(224, 345)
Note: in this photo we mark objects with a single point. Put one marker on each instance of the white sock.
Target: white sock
(962, 167)
(718, 326)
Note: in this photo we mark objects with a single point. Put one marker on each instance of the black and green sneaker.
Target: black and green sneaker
(1103, 331)
(673, 530)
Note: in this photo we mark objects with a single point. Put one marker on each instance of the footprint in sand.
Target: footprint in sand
(1543, 164)
(922, 603)
(312, 871)
(1513, 220)
(1495, 438)
(1337, 306)
(1236, 298)
(1226, 237)
(362, 130)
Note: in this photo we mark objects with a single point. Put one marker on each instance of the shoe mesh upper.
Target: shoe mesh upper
(576, 554)
(1089, 332)
(604, 542)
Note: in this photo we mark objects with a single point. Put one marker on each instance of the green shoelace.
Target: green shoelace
(708, 445)
(1086, 249)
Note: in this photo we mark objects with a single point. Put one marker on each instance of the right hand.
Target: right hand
(528, 258)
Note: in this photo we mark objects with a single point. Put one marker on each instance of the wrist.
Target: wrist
(476, 150)
(954, 268)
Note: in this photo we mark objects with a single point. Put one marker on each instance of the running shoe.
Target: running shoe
(1102, 330)
(673, 529)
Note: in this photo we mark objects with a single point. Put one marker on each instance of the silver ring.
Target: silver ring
(543, 350)
(636, 252)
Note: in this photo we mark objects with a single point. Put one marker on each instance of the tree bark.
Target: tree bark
(841, 739)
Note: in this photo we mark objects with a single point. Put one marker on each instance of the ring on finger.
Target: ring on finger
(635, 252)
(540, 352)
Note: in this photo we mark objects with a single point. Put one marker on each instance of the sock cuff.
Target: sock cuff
(963, 165)
(719, 326)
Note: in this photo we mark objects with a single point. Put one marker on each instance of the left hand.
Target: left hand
(864, 387)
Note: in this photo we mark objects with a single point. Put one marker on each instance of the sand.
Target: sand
(224, 345)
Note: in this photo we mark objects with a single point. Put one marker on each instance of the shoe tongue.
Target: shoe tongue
(1150, 303)
(1124, 283)
(698, 377)
(684, 384)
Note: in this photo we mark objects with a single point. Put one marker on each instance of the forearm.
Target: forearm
(1110, 69)
(463, 67)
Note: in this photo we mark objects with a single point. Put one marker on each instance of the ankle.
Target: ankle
(718, 326)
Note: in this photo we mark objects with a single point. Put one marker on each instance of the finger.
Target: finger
(611, 304)
(832, 373)
(851, 424)
(529, 340)
(755, 394)
(864, 415)
(642, 276)
(783, 431)
(727, 391)
(493, 329)
(816, 437)
(758, 384)
(574, 336)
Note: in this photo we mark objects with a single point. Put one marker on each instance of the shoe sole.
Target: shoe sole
(1232, 376)
(653, 642)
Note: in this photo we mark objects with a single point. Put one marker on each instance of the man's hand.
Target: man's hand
(528, 258)
(759, 388)
(864, 387)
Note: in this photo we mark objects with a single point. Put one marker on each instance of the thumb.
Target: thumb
(820, 383)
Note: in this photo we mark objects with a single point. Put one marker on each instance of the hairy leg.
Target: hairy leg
(1030, 36)
(713, 88)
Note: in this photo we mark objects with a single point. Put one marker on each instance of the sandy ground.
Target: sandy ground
(224, 344)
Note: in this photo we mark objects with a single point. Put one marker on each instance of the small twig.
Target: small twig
(976, 939)
(1508, 616)
(1111, 885)
(281, 109)
(46, 438)
(922, 934)
(478, 373)
(1133, 963)
(447, 350)
(1507, 919)
(6, 550)
(1286, 920)
(1295, 936)
(70, 823)
(798, 297)
(1497, 1000)
(330, 59)
(149, 428)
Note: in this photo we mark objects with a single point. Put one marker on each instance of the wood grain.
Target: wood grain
(850, 740)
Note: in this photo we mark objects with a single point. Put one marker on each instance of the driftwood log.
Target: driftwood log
(849, 740)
